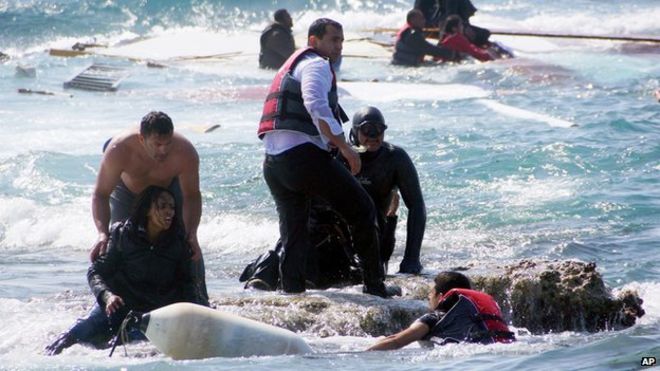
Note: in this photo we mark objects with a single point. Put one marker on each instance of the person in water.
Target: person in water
(465, 10)
(385, 170)
(301, 121)
(452, 37)
(411, 46)
(152, 155)
(457, 314)
(277, 43)
(146, 266)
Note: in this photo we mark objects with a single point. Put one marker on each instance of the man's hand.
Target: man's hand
(194, 247)
(99, 247)
(114, 302)
(352, 157)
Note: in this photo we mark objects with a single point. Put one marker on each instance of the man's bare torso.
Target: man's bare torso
(139, 170)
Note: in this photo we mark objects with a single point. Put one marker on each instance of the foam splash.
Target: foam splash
(29, 224)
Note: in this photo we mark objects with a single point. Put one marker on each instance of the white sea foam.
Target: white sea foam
(241, 235)
(30, 224)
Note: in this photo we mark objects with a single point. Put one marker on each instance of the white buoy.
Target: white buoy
(190, 331)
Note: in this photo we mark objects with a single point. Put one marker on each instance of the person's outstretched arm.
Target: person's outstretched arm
(415, 332)
(407, 181)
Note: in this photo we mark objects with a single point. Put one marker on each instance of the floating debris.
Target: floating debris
(98, 77)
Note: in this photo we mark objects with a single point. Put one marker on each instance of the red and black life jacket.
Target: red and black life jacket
(488, 313)
(284, 108)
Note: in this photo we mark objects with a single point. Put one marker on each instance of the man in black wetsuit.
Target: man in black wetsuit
(276, 41)
(411, 46)
(387, 168)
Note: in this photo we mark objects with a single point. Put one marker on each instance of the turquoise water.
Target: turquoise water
(498, 186)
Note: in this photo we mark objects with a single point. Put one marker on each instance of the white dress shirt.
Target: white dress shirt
(315, 77)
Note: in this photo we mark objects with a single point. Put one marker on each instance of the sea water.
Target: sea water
(500, 181)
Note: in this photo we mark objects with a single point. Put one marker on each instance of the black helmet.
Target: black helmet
(366, 115)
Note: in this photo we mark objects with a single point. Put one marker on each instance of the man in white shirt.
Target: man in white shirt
(300, 124)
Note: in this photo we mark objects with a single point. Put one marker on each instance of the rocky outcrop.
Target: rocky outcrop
(541, 296)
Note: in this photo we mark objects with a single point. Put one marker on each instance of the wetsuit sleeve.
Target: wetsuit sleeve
(408, 183)
(461, 44)
(418, 41)
(281, 43)
(104, 267)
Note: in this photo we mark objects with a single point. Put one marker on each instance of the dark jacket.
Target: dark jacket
(145, 276)
(411, 47)
(383, 172)
(277, 44)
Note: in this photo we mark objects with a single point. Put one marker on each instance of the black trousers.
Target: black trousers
(297, 175)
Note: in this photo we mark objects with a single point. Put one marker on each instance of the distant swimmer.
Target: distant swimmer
(657, 95)
(152, 155)
(457, 314)
(277, 43)
(452, 37)
(146, 266)
(301, 121)
(411, 46)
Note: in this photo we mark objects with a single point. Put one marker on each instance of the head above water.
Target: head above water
(155, 208)
(326, 37)
(453, 24)
(368, 128)
(283, 17)
(415, 18)
(156, 132)
(444, 282)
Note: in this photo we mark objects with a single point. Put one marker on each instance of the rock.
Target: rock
(541, 296)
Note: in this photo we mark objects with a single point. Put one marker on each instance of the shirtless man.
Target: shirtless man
(154, 155)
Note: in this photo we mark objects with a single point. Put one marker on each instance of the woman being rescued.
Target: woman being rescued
(146, 266)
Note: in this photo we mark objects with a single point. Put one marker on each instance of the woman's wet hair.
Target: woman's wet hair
(319, 27)
(143, 203)
(448, 280)
(156, 122)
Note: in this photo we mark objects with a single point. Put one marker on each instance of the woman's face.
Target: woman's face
(434, 297)
(162, 211)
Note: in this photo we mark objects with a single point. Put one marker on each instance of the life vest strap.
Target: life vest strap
(489, 317)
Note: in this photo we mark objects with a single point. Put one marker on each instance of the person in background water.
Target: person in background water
(457, 314)
(154, 155)
(301, 120)
(146, 266)
(387, 168)
(411, 46)
(453, 38)
(465, 10)
(277, 43)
